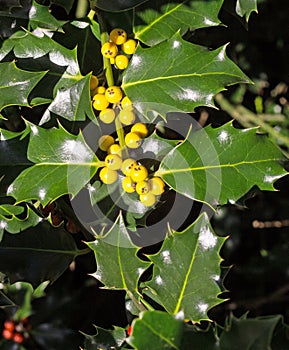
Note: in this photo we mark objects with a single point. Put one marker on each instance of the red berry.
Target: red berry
(129, 330)
(18, 338)
(7, 334)
(9, 325)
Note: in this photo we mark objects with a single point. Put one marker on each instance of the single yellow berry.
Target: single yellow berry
(113, 94)
(140, 129)
(128, 185)
(105, 141)
(107, 116)
(114, 149)
(139, 173)
(132, 140)
(126, 116)
(127, 166)
(113, 161)
(156, 185)
(93, 82)
(109, 50)
(126, 103)
(129, 46)
(100, 90)
(107, 176)
(100, 102)
(121, 61)
(142, 187)
(118, 36)
(148, 199)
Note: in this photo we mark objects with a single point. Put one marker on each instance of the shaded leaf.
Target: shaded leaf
(123, 268)
(156, 330)
(66, 4)
(246, 7)
(160, 19)
(222, 164)
(16, 84)
(105, 339)
(186, 270)
(116, 5)
(199, 339)
(63, 164)
(182, 76)
(38, 254)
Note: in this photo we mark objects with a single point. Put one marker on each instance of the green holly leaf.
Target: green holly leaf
(246, 7)
(16, 84)
(159, 20)
(66, 4)
(181, 75)
(186, 270)
(105, 339)
(40, 17)
(251, 333)
(10, 221)
(222, 164)
(123, 268)
(63, 163)
(156, 330)
(52, 248)
(116, 5)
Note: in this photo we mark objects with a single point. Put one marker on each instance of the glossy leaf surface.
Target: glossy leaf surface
(116, 5)
(123, 268)
(63, 164)
(181, 75)
(161, 19)
(16, 84)
(246, 7)
(186, 269)
(222, 164)
(156, 330)
(105, 338)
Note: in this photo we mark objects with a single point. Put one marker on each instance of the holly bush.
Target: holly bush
(125, 140)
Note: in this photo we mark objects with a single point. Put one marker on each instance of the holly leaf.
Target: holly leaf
(222, 164)
(52, 248)
(159, 20)
(251, 333)
(123, 268)
(66, 4)
(186, 270)
(10, 221)
(105, 338)
(246, 7)
(63, 163)
(181, 75)
(156, 330)
(40, 16)
(116, 5)
(16, 84)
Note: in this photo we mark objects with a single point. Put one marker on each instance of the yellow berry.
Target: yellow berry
(113, 161)
(121, 61)
(132, 140)
(127, 166)
(142, 187)
(126, 103)
(128, 185)
(113, 94)
(148, 199)
(140, 129)
(107, 116)
(129, 46)
(107, 176)
(109, 50)
(126, 116)
(139, 173)
(100, 102)
(118, 36)
(114, 149)
(100, 90)
(105, 141)
(93, 82)
(156, 185)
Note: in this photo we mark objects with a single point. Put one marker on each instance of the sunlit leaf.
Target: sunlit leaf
(160, 19)
(181, 75)
(16, 84)
(63, 163)
(186, 269)
(105, 338)
(246, 7)
(222, 164)
(123, 268)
